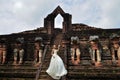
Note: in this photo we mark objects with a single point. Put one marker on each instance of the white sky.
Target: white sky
(22, 15)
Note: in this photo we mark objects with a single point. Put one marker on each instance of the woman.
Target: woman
(56, 68)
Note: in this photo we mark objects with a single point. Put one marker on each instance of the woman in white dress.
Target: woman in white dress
(56, 67)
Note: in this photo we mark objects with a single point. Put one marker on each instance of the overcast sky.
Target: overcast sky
(22, 15)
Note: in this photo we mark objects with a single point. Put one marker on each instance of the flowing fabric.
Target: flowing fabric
(56, 67)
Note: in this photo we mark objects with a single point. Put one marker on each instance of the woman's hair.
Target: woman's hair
(55, 46)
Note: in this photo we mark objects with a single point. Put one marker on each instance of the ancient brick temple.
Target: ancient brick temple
(48, 33)
(51, 35)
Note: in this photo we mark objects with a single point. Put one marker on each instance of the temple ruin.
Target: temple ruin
(51, 35)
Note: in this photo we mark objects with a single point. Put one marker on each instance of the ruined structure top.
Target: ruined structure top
(49, 21)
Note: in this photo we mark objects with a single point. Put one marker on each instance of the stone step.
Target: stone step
(16, 74)
(25, 63)
(45, 79)
(26, 70)
(88, 57)
(93, 76)
(88, 69)
(45, 76)
(89, 63)
(17, 70)
(18, 67)
(90, 72)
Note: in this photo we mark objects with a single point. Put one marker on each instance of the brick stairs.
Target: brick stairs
(43, 74)
(58, 39)
(92, 73)
(26, 71)
(86, 71)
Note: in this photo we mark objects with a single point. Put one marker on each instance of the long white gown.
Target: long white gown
(56, 67)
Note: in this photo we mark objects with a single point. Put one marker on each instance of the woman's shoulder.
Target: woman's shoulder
(55, 49)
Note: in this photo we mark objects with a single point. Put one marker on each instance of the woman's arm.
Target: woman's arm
(58, 47)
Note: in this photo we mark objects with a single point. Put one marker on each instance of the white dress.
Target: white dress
(56, 67)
